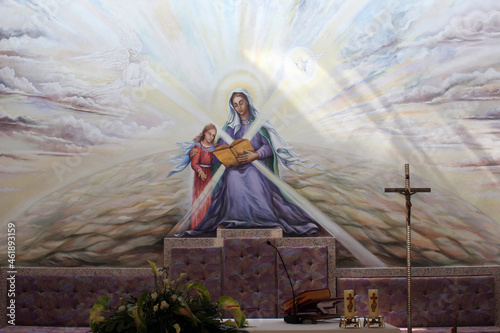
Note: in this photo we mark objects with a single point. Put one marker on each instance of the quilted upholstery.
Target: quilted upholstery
(202, 265)
(446, 329)
(67, 300)
(43, 329)
(250, 275)
(253, 273)
(434, 300)
(250, 271)
(308, 270)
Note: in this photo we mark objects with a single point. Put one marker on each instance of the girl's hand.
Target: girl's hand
(202, 175)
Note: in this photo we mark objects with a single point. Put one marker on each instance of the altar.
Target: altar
(267, 325)
(241, 264)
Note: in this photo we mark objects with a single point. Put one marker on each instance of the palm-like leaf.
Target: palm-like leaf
(95, 313)
(228, 303)
(200, 289)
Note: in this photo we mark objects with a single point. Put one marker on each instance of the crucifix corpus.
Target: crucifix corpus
(408, 191)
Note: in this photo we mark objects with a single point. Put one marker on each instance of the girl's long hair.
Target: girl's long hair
(207, 128)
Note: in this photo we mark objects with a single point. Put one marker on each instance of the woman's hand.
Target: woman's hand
(193, 152)
(247, 157)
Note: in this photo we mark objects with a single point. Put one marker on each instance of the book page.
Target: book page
(225, 155)
(306, 296)
(241, 145)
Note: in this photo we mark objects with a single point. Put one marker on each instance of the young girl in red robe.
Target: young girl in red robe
(201, 160)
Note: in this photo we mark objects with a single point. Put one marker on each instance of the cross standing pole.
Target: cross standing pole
(407, 191)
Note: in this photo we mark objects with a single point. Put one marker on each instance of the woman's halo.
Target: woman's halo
(236, 79)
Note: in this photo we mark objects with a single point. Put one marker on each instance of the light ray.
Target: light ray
(363, 255)
(181, 98)
(185, 222)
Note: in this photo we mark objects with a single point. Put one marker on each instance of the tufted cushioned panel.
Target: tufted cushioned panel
(43, 329)
(202, 265)
(67, 300)
(31, 329)
(250, 275)
(461, 329)
(308, 269)
(434, 300)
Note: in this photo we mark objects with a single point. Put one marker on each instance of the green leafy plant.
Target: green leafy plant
(168, 307)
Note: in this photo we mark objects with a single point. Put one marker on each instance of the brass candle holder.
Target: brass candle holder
(349, 321)
(373, 321)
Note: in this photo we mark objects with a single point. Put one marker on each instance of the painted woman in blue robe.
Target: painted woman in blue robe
(245, 197)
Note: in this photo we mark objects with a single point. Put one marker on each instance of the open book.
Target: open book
(306, 296)
(314, 305)
(228, 154)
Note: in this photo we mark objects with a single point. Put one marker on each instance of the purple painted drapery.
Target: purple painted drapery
(247, 199)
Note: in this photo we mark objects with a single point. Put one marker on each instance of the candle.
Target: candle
(349, 303)
(373, 303)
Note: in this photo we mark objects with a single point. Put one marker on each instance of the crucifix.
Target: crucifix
(374, 304)
(407, 191)
(350, 306)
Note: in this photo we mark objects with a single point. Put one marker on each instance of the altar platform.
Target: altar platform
(331, 325)
(240, 264)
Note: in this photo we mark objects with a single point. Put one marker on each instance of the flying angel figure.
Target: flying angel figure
(127, 59)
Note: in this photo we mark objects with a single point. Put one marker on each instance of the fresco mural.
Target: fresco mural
(244, 197)
(94, 96)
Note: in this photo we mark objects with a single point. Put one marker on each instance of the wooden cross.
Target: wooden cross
(407, 191)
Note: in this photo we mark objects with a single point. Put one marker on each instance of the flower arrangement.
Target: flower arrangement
(167, 308)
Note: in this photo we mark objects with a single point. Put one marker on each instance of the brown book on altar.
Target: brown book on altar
(306, 296)
(228, 154)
